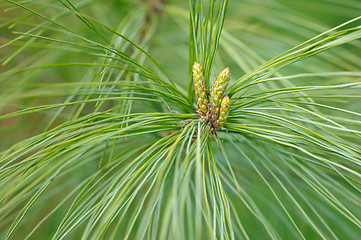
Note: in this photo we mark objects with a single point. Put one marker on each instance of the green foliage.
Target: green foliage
(100, 138)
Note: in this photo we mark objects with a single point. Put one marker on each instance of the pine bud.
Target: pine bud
(218, 89)
(224, 111)
(200, 90)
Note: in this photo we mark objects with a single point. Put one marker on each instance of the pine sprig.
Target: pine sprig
(100, 138)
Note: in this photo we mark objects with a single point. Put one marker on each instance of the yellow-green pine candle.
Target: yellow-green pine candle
(224, 111)
(218, 89)
(200, 90)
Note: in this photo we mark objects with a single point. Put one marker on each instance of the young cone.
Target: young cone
(200, 90)
(218, 89)
(224, 111)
